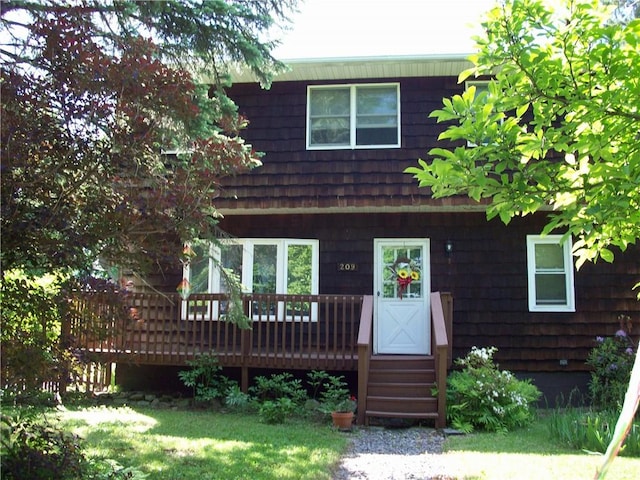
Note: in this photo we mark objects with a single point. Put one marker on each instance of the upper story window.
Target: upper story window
(550, 274)
(353, 116)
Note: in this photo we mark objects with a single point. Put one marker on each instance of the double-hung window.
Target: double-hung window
(550, 274)
(353, 116)
(262, 266)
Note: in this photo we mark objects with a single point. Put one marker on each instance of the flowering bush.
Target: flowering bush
(612, 360)
(484, 397)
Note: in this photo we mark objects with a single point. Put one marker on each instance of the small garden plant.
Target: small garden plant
(612, 360)
(591, 428)
(277, 396)
(206, 379)
(481, 396)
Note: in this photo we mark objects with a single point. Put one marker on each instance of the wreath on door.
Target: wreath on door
(405, 271)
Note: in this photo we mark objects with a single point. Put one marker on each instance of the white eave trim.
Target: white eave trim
(230, 212)
(310, 69)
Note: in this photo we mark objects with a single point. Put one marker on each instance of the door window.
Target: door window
(402, 272)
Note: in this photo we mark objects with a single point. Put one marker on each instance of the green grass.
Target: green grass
(204, 445)
(527, 453)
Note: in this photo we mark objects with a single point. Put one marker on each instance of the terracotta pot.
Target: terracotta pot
(342, 420)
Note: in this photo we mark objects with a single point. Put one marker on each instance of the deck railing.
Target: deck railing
(287, 331)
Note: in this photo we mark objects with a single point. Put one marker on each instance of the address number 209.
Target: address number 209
(347, 267)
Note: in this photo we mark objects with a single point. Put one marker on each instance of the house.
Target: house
(330, 228)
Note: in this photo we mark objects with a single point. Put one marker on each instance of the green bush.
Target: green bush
(34, 448)
(277, 386)
(482, 396)
(612, 360)
(586, 429)
(205, 378)
(236, 399)
(29, 338)
(276, 411)
(39, 451)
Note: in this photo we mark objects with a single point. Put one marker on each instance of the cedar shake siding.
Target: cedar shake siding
(293, 178)
(487, 275)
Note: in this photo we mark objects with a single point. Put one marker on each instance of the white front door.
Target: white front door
(401, 289)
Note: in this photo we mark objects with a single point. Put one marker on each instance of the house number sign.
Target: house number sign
(347, 267)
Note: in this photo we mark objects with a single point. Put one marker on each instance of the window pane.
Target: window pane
(199, 269)
(551, 289)
(264, 268)
(231, 262)
(376, 101)
(330, 131)
(377, 136)
(299, 269)
(329, 102)
(376, 119)
(329, 116)
(549, 256)
(402, 272)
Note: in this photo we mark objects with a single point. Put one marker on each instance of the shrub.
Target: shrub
(612, 360)
(277, 386)
(205, 378)
(39, 450)
(276, 411)
(484, 397)
(236, 399)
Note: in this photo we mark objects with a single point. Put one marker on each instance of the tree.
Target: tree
(94, 95)
(558, 128)
(116, 136)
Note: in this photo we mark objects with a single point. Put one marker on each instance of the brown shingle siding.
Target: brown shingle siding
(373, 177)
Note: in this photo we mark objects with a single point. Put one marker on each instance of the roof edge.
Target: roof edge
(435, 57)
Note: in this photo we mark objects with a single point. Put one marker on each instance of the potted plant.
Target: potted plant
(336, 400)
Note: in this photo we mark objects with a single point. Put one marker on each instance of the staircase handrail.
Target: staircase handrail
(441, 349)
(364, 353)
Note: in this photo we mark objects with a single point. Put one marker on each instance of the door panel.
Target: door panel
(401, 287)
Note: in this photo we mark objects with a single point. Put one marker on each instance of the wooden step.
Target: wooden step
(400, 386)
(409, 362)
(406, 390)
(389, 375)
(386, 414)
(401, 404)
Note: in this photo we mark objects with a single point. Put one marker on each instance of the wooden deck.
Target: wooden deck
(287, 332)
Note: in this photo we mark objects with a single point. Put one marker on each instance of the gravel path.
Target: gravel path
(378, 453)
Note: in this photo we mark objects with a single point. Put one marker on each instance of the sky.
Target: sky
(356, 28)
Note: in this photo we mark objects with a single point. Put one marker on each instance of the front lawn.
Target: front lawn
(199, 445)
(206, 445)
(527, 454)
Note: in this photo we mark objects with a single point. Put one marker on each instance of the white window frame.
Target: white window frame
(567, 271)
(353, 117)
(248, 245)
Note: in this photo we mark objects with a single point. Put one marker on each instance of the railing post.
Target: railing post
(364, 353)
(245, 348)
